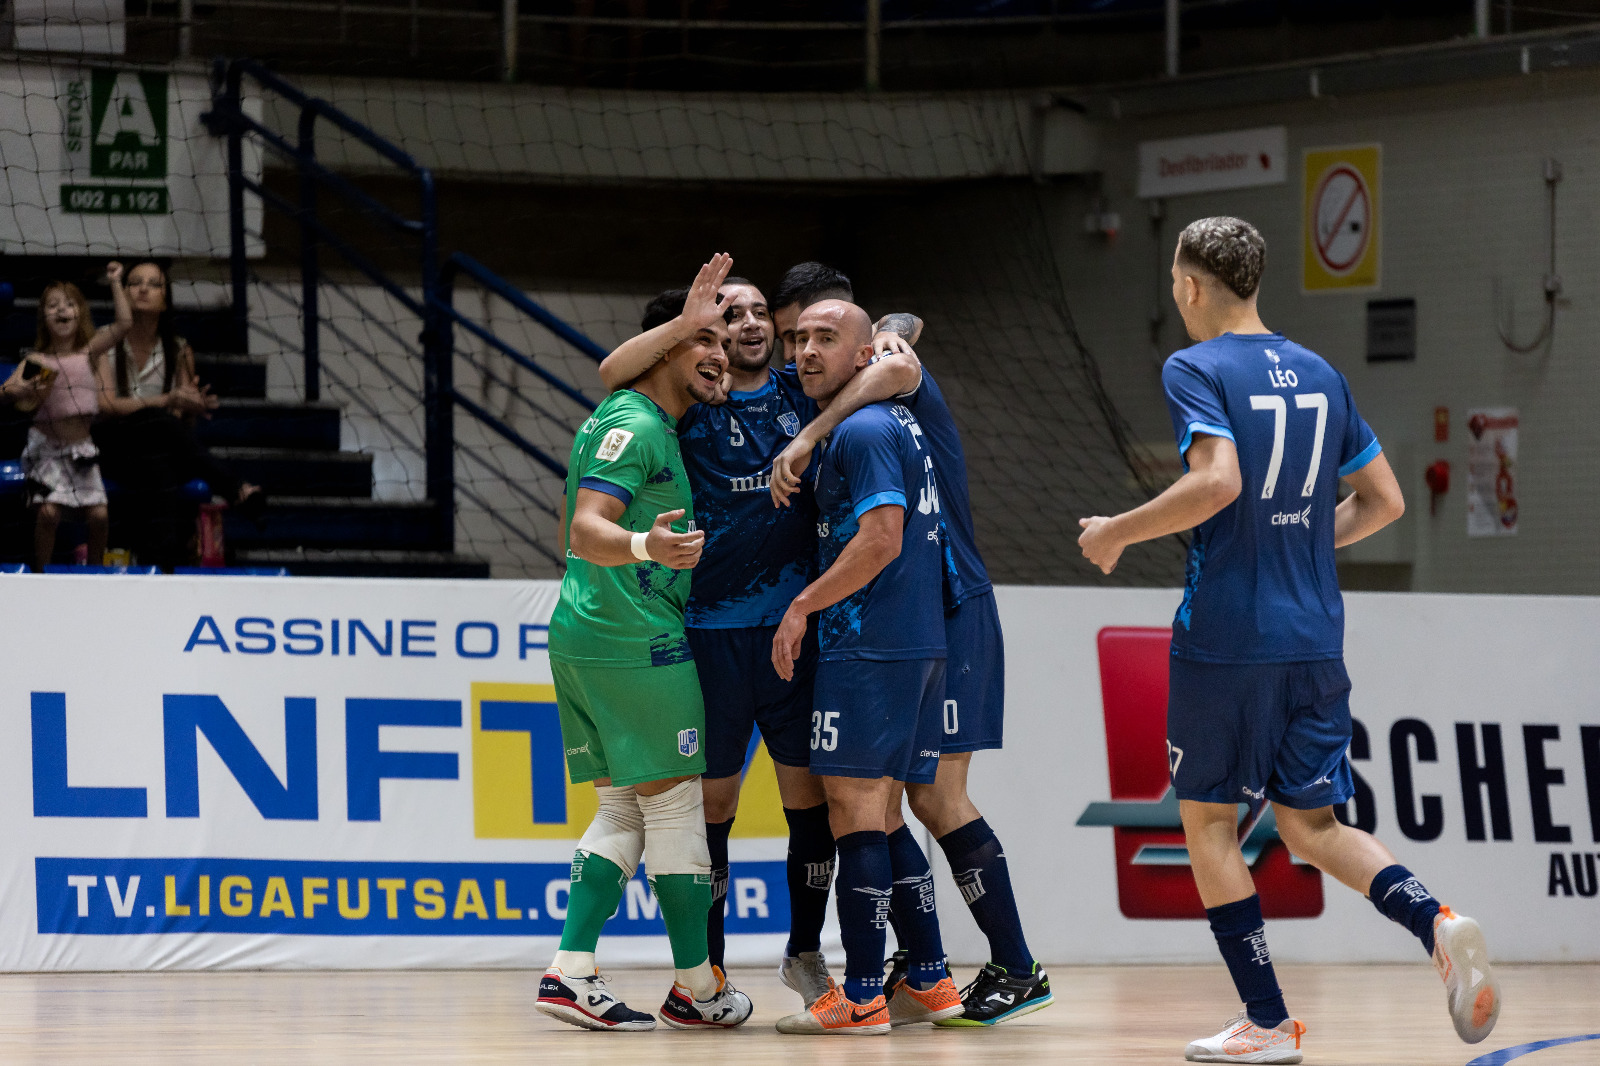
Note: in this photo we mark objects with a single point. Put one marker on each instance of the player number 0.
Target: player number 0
(1280, 418)
(952, 722)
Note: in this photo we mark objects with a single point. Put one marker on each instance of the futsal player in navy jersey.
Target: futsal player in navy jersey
(876, 721)
(1259, 702)
(1012, 983)
(755, 561)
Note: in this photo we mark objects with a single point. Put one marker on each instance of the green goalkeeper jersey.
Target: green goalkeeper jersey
(625, 615)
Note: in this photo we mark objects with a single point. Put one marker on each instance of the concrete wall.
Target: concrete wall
(1464, 233)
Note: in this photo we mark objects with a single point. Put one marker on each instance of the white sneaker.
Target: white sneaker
(726, 1008)
(1461, 956)
(587, 1003)
(1242, 1040)
(806, 973)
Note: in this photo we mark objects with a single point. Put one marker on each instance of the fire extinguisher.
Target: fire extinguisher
(1438, 479)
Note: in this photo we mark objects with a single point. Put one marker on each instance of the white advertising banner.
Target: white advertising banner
(1480, 771)
(257, 772)
(1233, 159)
(250, 772)
(115, 161)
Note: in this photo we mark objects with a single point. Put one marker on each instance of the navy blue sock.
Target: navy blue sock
(1400, 897)
(979, 867)
(810, 875)
(913, 909)
(1242, 938)
(717, 841)
(866, 882)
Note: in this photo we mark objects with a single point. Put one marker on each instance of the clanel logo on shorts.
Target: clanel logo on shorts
(1153, 875)
(1293, 518)
(688, 742)
(579, 751)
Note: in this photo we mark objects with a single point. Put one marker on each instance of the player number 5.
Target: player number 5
(1280, 418)
(824, 734)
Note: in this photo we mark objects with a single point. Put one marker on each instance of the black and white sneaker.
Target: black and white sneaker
(587, 1003)
(899, 968)
(726, 1008)
(995, 996)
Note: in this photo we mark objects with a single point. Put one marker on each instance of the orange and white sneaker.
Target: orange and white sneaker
(909, 1006)
(1242, 1040)
(834, 1015)
(1461, 956)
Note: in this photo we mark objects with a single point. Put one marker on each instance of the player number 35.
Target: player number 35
(824, 733)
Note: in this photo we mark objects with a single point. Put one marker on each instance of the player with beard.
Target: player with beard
(1012, 983)
(755, 561)
(627, 691)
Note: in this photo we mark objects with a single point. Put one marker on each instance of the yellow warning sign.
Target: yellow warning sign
(1342, 216)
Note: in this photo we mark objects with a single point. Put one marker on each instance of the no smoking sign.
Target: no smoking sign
(1341, 218)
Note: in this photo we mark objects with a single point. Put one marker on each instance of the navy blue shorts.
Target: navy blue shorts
(743, 691)
(1241, 732)
(974, 677)
(878, 718)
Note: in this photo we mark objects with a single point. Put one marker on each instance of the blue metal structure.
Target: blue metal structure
(434, 306)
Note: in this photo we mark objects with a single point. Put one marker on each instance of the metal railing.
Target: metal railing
(434, 306)
(463, 41)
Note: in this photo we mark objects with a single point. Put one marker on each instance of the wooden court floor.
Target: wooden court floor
(1357, 1016)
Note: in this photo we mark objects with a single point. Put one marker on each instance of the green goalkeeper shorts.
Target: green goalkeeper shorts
(631, 724)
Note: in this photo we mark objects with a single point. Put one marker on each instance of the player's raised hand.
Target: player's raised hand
(680, 551)
(1100, 545)
(786, 642)
(702, 307)
(788, 467)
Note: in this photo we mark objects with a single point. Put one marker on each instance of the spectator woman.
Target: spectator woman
(57, 380)
(149, 396)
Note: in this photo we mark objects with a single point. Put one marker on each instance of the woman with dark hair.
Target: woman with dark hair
(149, 393)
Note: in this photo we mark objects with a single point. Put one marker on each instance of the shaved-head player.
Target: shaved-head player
(880, 676)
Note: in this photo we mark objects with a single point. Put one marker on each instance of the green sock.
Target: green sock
(596, 889)
(685, 900)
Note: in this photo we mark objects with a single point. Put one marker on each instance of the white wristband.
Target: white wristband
(638, 548)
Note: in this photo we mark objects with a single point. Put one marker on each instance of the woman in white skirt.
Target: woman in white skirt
(58, 381)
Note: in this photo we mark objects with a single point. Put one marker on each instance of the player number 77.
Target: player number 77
(1280, 418)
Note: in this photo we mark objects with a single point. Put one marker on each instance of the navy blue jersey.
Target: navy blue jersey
(876, 457)
(757, 557)
(968, 576)
(1261, 585)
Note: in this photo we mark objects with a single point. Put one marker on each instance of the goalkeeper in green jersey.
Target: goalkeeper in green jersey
(631, 713)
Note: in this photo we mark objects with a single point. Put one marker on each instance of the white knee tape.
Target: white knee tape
(675, 831)
(617, 832)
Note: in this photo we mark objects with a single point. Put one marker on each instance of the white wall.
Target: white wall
(1464, 215)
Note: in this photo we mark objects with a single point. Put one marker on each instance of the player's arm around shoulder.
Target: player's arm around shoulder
(891, 374)
(1212, 482)
(1374, 502)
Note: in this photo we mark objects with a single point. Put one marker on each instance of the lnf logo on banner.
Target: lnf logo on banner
(520, 790)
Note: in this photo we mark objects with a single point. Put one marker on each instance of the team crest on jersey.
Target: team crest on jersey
(789, 422)
(612, 445)
(688, 742)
